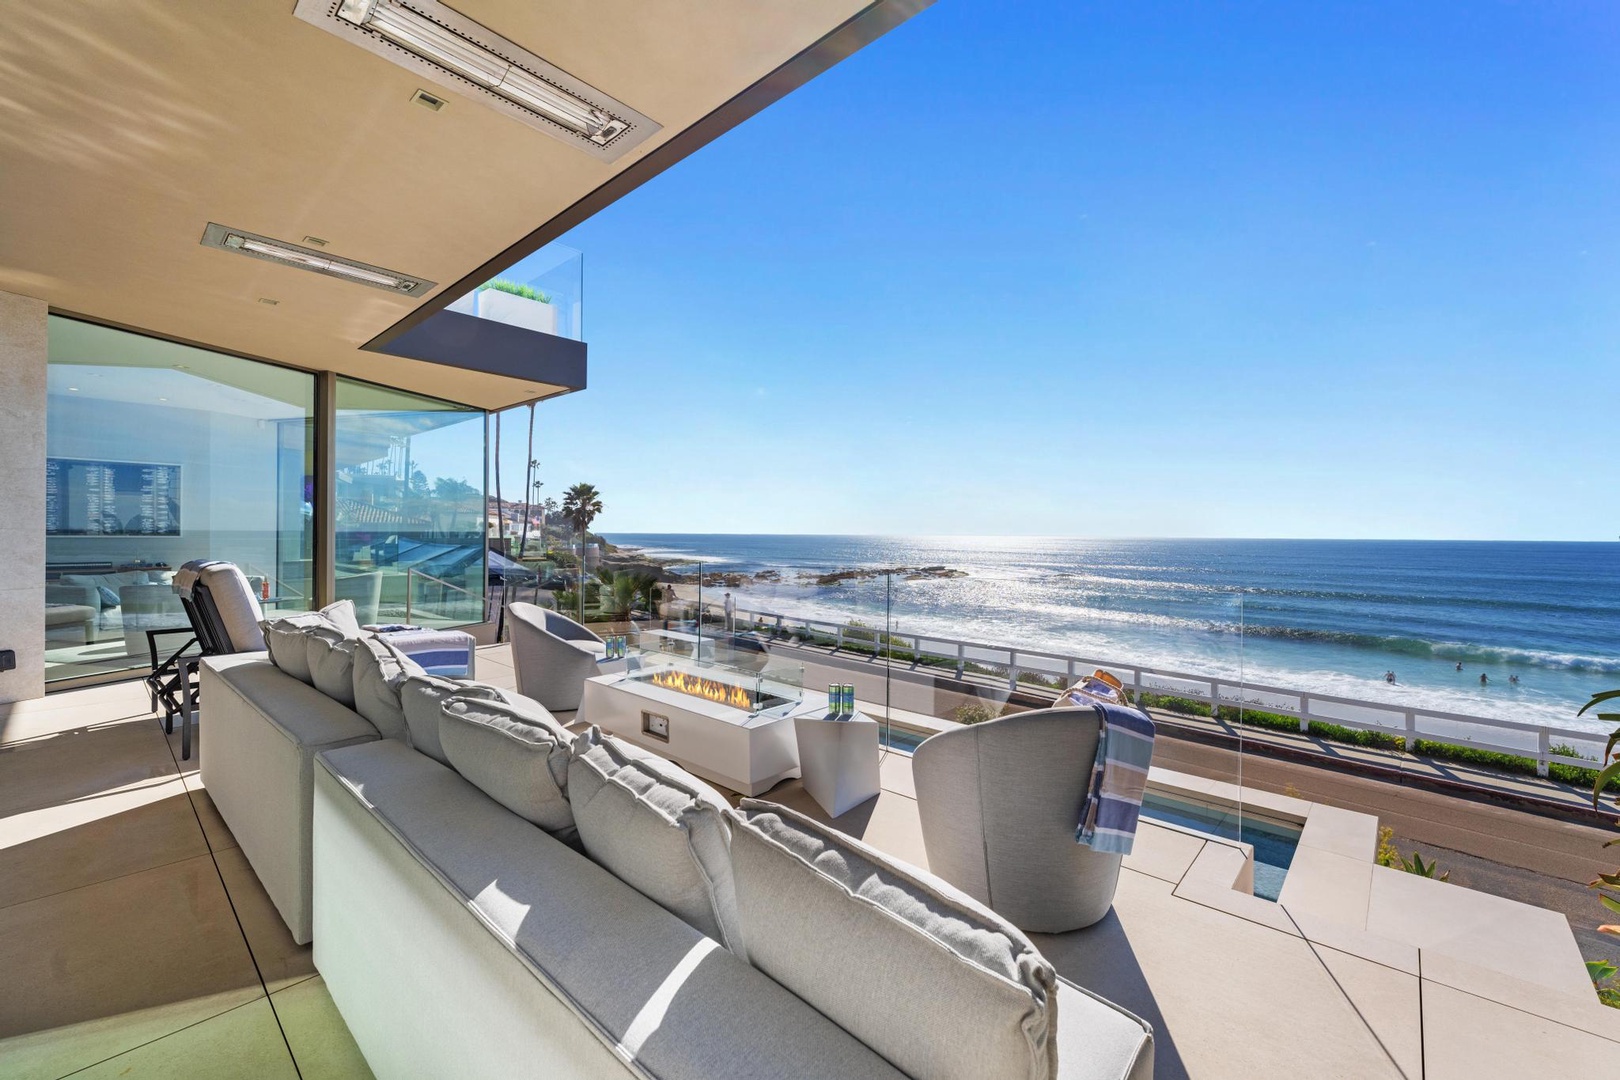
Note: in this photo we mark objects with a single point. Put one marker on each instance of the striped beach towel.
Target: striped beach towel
(449, 653)
(1118, 778)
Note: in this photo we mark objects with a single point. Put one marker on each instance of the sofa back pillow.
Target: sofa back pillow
(284, 636)
(936, 983)
(380, 672)
(514, 752)
(331, 663)
(340, 613)
(423, 696)
(658, 829)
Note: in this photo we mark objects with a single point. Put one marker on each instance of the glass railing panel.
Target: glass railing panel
(544, 293)
(411, 546)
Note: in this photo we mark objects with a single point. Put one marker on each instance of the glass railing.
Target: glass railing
(544, 293)
(1232, 663)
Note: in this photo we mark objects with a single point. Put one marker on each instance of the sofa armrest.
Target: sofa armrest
(81, 595)
(1098, 1040)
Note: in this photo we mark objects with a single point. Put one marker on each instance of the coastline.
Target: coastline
(1155, 605)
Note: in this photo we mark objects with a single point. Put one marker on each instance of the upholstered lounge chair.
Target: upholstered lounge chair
(999, 803)
(224, 615)
(554, 655)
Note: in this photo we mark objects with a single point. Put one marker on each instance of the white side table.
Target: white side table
(838, 760)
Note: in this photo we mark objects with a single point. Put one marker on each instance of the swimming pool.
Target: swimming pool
(899, 738)
(1273, 842)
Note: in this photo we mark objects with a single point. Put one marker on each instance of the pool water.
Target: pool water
(1273, 844)
(899, 738)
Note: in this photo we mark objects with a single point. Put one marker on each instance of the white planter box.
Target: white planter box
(514, 310)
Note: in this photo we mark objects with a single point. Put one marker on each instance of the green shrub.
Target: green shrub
(974, 712)
(1170, 703)
(1376, 740)
(528, 292)
(1574, 774)
(1389, 855)
(1491, 759)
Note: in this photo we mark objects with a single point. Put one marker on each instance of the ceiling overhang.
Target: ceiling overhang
(127, 128)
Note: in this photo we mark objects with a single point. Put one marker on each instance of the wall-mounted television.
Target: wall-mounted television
(111, 498)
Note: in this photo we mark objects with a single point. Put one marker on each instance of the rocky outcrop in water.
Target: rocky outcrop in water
(905, 573)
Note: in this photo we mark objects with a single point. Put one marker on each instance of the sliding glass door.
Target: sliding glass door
(157, 454)
(410, 507)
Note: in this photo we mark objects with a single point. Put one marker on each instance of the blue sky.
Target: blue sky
(1128, 269)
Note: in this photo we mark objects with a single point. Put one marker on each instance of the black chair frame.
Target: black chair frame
(173, 683)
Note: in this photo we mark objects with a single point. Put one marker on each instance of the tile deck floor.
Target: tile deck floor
(136, 941)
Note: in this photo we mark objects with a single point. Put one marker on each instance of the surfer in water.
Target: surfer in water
(1459, 665)
(1483, 680)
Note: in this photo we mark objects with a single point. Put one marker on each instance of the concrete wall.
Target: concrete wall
(22, 493)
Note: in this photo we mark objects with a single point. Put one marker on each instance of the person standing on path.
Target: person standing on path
(731, 614)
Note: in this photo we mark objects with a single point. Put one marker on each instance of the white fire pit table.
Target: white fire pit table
(749, 753)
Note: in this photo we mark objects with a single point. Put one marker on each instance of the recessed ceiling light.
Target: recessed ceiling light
(279, 251)
(314, 241)
(75, 389)
(267, 300)
(454, 51)
(427, 100)
(163, 399)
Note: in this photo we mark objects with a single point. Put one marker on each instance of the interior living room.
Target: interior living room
(309, 769)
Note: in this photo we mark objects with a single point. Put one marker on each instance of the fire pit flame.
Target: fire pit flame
(710, 689)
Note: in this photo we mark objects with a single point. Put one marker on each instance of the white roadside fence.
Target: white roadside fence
(988, 664)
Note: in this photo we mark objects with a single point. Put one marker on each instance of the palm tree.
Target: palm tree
(627, 591)
(500, 506)
(581, 503)
(528, 483)
(456, 495)
(547, 508)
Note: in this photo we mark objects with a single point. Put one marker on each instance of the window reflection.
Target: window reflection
(410, 507)
(157, 454)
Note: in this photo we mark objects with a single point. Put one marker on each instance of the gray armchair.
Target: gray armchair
(365, 589)
(999, 803)
(554, 655)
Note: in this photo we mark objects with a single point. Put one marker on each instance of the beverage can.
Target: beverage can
(847, 699)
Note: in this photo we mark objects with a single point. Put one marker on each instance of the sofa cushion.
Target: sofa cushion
(341, 614)
(939, 985)
(513, 752)
(422, 698)
(331, 663)
(669, 1002)
(380, 672)
(236, 602)
(284, 636)
(284, 639)
(659, 829)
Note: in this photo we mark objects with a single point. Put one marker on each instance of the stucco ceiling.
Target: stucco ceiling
(126, 127)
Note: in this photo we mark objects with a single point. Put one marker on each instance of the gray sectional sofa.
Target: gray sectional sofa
(465, 928)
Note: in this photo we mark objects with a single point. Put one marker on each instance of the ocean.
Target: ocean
(1326, 616)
